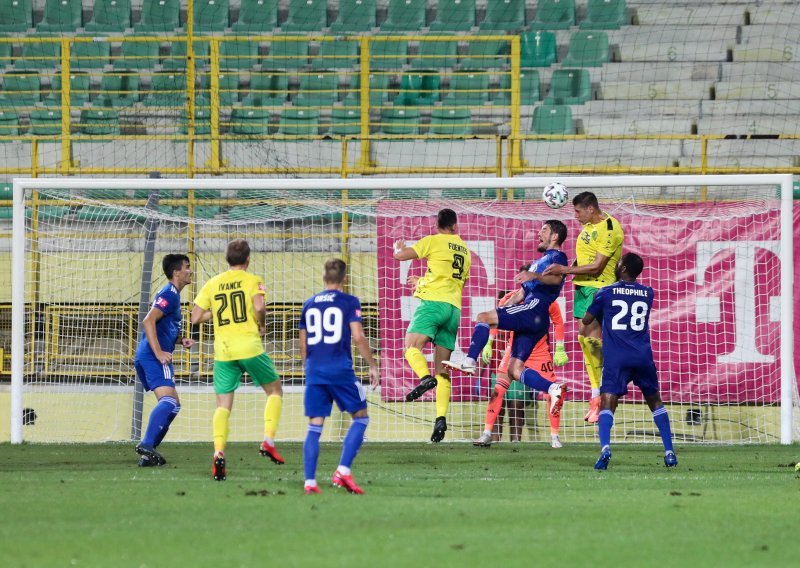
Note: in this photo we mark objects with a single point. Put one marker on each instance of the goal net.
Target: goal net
(87, 256)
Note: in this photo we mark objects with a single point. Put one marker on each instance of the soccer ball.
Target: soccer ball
(555, 195)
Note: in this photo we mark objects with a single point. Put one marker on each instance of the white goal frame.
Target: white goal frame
(20, 185)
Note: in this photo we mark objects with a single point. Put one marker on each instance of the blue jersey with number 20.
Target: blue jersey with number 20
(326, 318)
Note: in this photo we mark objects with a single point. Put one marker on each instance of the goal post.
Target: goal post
(720, 361)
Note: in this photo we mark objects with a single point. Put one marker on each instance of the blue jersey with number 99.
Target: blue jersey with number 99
(326, 318)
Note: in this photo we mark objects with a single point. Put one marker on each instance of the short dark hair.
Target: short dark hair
(525, 267)
(559, 228)
(446, 219)
(586, 199)
(633, 264)
(173, 262)
(238, 252)
(335, 271)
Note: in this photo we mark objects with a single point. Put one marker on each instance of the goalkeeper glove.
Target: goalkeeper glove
(486, 354)
(560, 357)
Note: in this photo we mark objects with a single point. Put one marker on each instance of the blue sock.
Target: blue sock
(311, 451)
(661, 418)
(159, 420)
(353, 440)
(604, 424)
(534, 380)
(480, 335)
(164, 430)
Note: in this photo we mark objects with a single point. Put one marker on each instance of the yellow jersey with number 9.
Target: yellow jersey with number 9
(229, 296)
(449, 260)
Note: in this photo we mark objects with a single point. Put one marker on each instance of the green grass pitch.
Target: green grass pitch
(425, 505)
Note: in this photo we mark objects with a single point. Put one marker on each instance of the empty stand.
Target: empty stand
(587, 49)
(159, 16)
(267, 89)
(256, 16)
(90, 54)
(299, 122)
(238, 54)
(336, 55)
(99, 122)
(554, 15)
(655, 90)
(16, 16)
(355, 16)
(404, 16)
(400, 121)
(317, 90)
(435, 55)
(538, 49)
(79, 91)
(506, 16)
(769, 90)
(306, 16)
(211, 16)
(710, 14)
(569, 87)
(467, 89)
(450, 122)
(454, 16)
(61, 16)
(110, 16)
(286, 55)
(253, 122)
(605, 15)
(552, 119)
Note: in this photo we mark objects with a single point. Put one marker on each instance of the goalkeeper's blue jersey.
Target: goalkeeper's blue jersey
(168, 328)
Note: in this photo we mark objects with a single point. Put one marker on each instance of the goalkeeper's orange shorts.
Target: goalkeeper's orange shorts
(540, 361)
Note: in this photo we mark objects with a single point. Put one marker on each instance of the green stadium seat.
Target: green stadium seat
(159, 16)
(404, 16)
(228, 88)
(299, 122)
(408, 194)
(400, 121)
(306, 16)
(344, 122)
(90, 55)
(120, 89)
(454, 16)
(92, 213)
(286, 55)
(450, 121)
(103, 194)
(388, 54)
(137, 55)
(167, 90)
(378, 90)
(529, 88)
(552, 119)
(267, 89)
(486, 55)
(467, 89)
(256, 16)
(39, 55)
(504, 16)
(569, 87)
(250, 122)
(9, 126)
(435, 55)
(50, 212)
(355, 16)
(79, 84)
(211, 16)
(538, 49)
(605, 15)
(418, 88)
(336, 55)
(587, 49)
(97, 122)
(45, 122)
(202, 122)
(318, 90)
(110, 16)
(554, 15)
(20, 89)
(177, 58)
(260, 212)
(206, 211)
(61, 16)
(16, 16)
(462, 194)
(6, 55)
(238, 54)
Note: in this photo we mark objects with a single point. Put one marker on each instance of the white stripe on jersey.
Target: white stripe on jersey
(523, 307)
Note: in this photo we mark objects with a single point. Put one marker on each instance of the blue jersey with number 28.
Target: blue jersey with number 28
(326, 318)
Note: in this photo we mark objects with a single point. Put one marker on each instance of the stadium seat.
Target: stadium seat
(177, 58)
(267, 89)
(486, 55)
(400, 121)
(119, 89)
(202, 122)
(605, 15)
(529, 88)
(318, 90)
(420, 88)
(587, 49)
(299, 122)
(705, 13)
(61, 16)
(78, 90)
(250, 122)
(344, 122)
(435, 55)
(90, 55)
(137, 55)
(45, 122)
(336, 55)
(159, 16)
(238, 54)
(408, 194)
(462, 194)
(256, 16)
(467, 89)
(96, 122)
(538, 49)
(110, 16)
(16, 16)
(9, 126)
(404, 16)
(211, 16)
(228, 88)
(6, 55)
(355, 16)
(554, 15)
(504, 16)
(454, 16)
(569, 87)
(450, 121)
(378, 90)
(552, 119)
(167, 90)
(103, 194)
(39, 55)
(388, 54)
(286, 55)
(20, 89)
(306, 16)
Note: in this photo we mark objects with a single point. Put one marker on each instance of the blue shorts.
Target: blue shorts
(616, 378)
(153, 374)
(529, 322)
(349, 397)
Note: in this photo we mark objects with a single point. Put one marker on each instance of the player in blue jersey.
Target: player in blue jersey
(527, 315)
(153, 362)
(623, 309)
(328, 323)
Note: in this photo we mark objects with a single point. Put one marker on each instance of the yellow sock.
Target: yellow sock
(417, 362)
(220, 422)
(594, 352)
(272, 415)
(588, 362)
(443, 388)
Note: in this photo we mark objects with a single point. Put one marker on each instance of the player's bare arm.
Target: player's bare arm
(595, 269)
(402, 252)
(362, 343)
(303, 346)
(260, 309)
(200, 315)
(543, 277)
(149, 323)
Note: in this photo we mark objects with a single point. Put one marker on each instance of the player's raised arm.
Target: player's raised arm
(402, 252)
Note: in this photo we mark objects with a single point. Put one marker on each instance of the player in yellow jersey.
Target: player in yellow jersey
(437, 317)
(234, 301)
(597, 250)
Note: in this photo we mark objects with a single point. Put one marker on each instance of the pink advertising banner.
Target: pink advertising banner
(716, 320)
